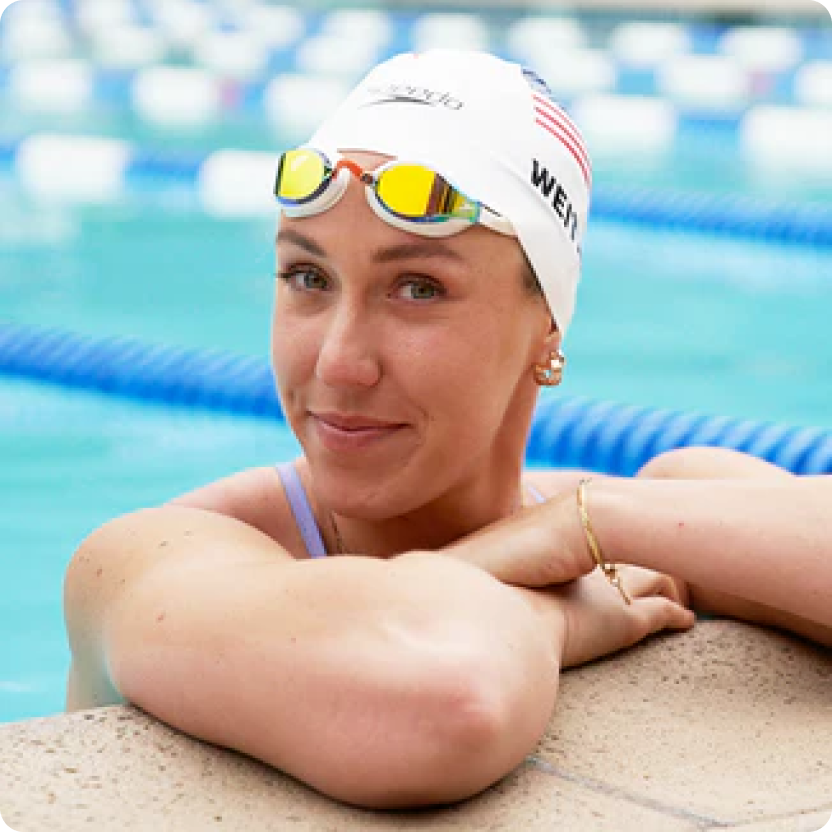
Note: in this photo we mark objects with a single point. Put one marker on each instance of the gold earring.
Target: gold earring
(552, 374)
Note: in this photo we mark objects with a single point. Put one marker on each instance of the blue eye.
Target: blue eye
(420, 289)
(305, 279)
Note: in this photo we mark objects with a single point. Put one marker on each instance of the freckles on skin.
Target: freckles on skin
(449, 367)
(476, 328)
(292, 360)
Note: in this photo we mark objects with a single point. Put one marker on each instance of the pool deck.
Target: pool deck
(724, 727)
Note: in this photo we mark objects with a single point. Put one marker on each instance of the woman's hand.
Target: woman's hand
(539, 546)
(542, 552)
(593, 620)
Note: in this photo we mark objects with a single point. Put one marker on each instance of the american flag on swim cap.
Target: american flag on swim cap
(553, 118)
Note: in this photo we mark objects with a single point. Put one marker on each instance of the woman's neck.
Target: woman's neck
(437, 524)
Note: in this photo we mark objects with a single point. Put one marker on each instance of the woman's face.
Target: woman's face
(404, 364)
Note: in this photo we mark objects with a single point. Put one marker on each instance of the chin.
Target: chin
(366, 493)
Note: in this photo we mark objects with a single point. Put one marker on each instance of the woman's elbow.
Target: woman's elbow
(470, 727)
(497, 724)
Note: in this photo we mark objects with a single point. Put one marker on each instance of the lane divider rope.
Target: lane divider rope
(235, 183)
(566, 432)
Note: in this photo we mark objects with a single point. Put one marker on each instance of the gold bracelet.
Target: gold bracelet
(610, 570)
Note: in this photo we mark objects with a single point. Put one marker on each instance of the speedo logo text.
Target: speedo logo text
(558, 198)
(409, 94)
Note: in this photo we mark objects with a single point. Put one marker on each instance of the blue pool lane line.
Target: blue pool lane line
(100, 86)
(728, 214)
(638, 57)
(569, 432)
(131, 369)
(173, 96)
(84, 170)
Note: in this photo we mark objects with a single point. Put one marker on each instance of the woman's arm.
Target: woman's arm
(768, 541)
(749, 541)
(412, 681)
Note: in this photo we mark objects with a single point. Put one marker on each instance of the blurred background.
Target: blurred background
(137, 147)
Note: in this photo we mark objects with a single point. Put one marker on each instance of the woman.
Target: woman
(428, 260)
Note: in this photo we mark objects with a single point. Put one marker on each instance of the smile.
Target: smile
(349, 432)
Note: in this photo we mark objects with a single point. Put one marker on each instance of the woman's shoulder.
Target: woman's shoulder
(255, 497)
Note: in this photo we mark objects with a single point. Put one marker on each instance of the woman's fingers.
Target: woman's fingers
(641, 583)
(598, 622)
(659, 600)
(657, 613)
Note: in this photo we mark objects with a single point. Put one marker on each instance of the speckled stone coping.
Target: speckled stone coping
(724, 727)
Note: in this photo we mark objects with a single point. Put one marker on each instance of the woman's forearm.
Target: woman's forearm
(400, 682)
(381, 684)
(766, 541)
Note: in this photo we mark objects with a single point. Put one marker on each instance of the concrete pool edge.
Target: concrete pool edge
(725, 727)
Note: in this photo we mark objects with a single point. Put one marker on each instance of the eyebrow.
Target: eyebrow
(402, 251)
(301, 241)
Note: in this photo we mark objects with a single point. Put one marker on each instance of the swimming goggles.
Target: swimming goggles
(407, 195)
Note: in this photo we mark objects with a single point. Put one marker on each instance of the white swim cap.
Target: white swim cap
(493, 130)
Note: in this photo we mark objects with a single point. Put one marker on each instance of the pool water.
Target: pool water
(672, 320)
(677, 320)
(71, 461)
(683, 321)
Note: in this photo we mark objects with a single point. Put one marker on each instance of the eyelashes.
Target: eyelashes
(304, 278)
(422, 289)
(411, 288)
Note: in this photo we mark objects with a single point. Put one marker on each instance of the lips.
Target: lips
(351, 422)
(348, 431)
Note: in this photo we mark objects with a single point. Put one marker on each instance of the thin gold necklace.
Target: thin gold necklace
(340, 549)
(339, 541)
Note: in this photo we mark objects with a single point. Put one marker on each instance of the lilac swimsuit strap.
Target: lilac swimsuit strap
(299, 503)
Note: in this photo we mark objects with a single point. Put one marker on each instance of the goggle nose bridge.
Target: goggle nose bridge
(360, 174)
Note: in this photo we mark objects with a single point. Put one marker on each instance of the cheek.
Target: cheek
(293, 353)
(477, 377)
(451, 375)
(432, 361)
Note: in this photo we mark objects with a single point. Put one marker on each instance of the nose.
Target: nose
(348, 355)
